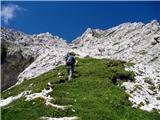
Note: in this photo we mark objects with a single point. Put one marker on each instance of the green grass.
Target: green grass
(142, 52)
(91, 92)
(32, 110)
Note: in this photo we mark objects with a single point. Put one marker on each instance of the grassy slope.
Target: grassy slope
(91, 92)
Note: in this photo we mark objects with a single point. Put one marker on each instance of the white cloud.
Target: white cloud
(8, 12)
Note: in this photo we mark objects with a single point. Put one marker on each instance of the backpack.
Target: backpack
(70, 60)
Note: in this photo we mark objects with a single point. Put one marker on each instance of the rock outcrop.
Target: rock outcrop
(21, 53)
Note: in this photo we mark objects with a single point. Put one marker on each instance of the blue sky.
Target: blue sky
(69, 20)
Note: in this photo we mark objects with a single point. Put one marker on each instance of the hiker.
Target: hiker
(70, 63)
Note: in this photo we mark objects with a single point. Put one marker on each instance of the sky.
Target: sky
(69, 20)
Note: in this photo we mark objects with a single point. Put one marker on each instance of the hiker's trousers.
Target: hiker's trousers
(70, 70)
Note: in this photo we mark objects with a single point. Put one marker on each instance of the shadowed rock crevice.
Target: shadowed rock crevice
(11, 67)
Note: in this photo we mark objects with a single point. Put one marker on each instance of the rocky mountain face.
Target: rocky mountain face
(137, 43)
(20, 52)
(133, 42)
